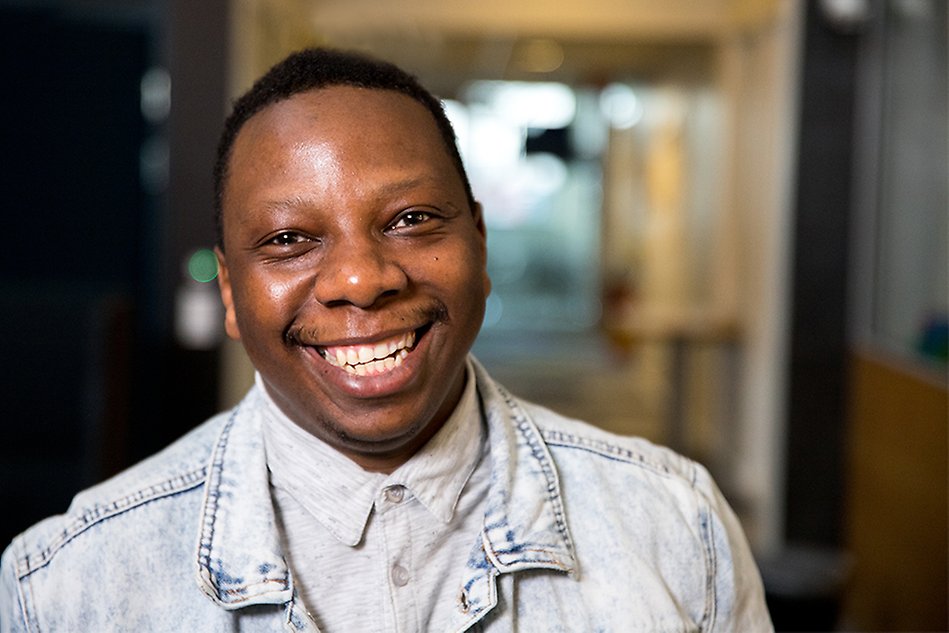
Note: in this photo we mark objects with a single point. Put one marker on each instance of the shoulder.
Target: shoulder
(629, 478)
(576, 440)
(592, 462)
(639, 512)
(179, 468)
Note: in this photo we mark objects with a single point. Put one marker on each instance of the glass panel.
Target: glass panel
(539, 185)
(910, 298)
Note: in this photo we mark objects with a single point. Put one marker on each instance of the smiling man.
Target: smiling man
(376, 478)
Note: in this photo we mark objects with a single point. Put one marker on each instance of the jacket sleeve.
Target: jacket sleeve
(737, 601)
(12, 618)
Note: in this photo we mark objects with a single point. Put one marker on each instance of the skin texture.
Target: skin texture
(345, 223)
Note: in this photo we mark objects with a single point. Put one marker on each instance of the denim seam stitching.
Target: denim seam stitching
(708, 543)
(237, 594)
(212, 495)
(99, 513)
(25, 591)
(477, 615)
(553, 487)
(605, 450)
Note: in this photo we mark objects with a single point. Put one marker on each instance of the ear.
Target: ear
(227, 297)
(478, 213)
(482, 230)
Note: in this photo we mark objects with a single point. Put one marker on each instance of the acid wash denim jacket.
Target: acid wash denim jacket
(583, 531)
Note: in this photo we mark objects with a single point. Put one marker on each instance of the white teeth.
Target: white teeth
(374, 367)
(367, 360)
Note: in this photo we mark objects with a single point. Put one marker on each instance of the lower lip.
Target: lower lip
(387, 383)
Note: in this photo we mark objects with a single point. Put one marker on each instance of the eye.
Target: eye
(285, 244)
(287, 238)
(410, 219)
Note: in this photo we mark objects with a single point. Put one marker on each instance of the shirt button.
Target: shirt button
(395, 494)
(400, 575)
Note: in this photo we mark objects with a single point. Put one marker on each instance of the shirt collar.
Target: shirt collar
(337, 492)
(341, 495)
(437, 474)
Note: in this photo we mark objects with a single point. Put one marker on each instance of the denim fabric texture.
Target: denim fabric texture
(583, 531)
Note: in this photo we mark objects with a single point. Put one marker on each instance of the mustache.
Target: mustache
(309, 334)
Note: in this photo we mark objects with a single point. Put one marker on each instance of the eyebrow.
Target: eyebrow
(401, 186)
(388, 189)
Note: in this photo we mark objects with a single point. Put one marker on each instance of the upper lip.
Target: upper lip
(367, 340)
(388, 349)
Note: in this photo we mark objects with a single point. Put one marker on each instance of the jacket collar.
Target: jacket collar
(240, 561)
(525, 525)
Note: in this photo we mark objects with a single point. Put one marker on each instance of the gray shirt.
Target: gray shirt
(371, 552)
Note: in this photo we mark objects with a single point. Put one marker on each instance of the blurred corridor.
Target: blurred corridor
(718, 224)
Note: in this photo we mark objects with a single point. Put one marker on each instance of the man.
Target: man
(376, 478)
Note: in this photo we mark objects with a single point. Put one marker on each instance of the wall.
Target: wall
(896, 528)
(895, 525)
(760, 77)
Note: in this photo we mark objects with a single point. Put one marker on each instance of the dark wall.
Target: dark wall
(183, 386)
(70, 269)
(197, 59)
(818, 355)
(94, 376)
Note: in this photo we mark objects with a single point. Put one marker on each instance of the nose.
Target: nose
(358, 272)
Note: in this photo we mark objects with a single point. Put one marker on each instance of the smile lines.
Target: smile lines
(369, 360)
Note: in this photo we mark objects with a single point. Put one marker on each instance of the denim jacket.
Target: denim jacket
(583, 531)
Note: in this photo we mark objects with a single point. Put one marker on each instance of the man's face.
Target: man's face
(353, 269)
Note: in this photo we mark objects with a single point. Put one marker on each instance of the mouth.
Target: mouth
(372, 359)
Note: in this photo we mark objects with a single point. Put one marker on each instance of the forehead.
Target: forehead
(344, 115)
(343, 130)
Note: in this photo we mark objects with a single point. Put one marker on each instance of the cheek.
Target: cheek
(449, 266)
(464, 277)
(280, 292)
(267, 300)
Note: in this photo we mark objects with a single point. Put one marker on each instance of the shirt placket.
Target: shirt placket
(400, 571)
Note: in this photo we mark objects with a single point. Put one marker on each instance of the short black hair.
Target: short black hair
(314, 68)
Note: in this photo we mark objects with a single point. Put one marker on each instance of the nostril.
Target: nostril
(389, 293)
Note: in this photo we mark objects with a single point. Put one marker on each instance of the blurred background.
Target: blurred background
(718, 224)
